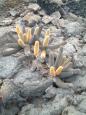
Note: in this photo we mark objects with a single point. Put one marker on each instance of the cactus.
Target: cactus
(29, 35)
(21, 43)
(59, 70)
(36, 49)
(52, 71)
(62, 68)
(46, 41)
(18, 30)
(43, 54)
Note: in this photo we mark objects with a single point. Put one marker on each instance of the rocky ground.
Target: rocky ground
(23, 92)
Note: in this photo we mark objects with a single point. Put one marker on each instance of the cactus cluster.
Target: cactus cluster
(53, 62)
(23, 37)
(61, 65)
(58, 67)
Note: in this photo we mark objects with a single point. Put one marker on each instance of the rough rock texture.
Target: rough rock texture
(48, 109)
(71, 111)
(8, 66)
(23, 92)
(73, 28)
(29, 1)
(32, 83)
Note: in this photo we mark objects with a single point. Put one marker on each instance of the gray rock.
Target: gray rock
(73, 28)
(11, 94)
(8, 66)
(57, 2)
(35, 88)
(14, 13)
(5, 3)
(47, 19)
(77, 61)
(69, 49)
(50, 108)
(82, 106)
(80, 82)
(32, 83)
(29, 1)
(5, 30)
(7, 35)
(56, 16)
(71, 111)
(58, 92)
(84, 38)
(32, 18)
(26, 75)
(11, 111)
(34, 7)
(83, 51)
(72, 46)
(82, 59)
(6, 22)
(42, 12)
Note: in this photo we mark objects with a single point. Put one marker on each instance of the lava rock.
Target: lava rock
(57, 2)
(73, 28)
(34, 7)
(32, 19)
(47, 19)
(69, 49)
(50, 108)
(10, 94)
(14, 13)
(71, 111)
(82, 106)
(8, 66)
(81, 82)
(6, 22)
(10, 111)
(29, 1)
(83, 51)
(26, 75)
(84, 38)
(32, 83)
(42, 12)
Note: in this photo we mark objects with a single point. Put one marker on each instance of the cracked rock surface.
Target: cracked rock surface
(24, 92)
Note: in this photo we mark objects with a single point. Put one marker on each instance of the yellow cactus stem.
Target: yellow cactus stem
(52, 71)
(43, 54)
(46, 41)
(20, 36)
(18, 30)
(36, 48)
(25, 38)
(28, 34)
(21, 43)
(59, 70)
(47, 33)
